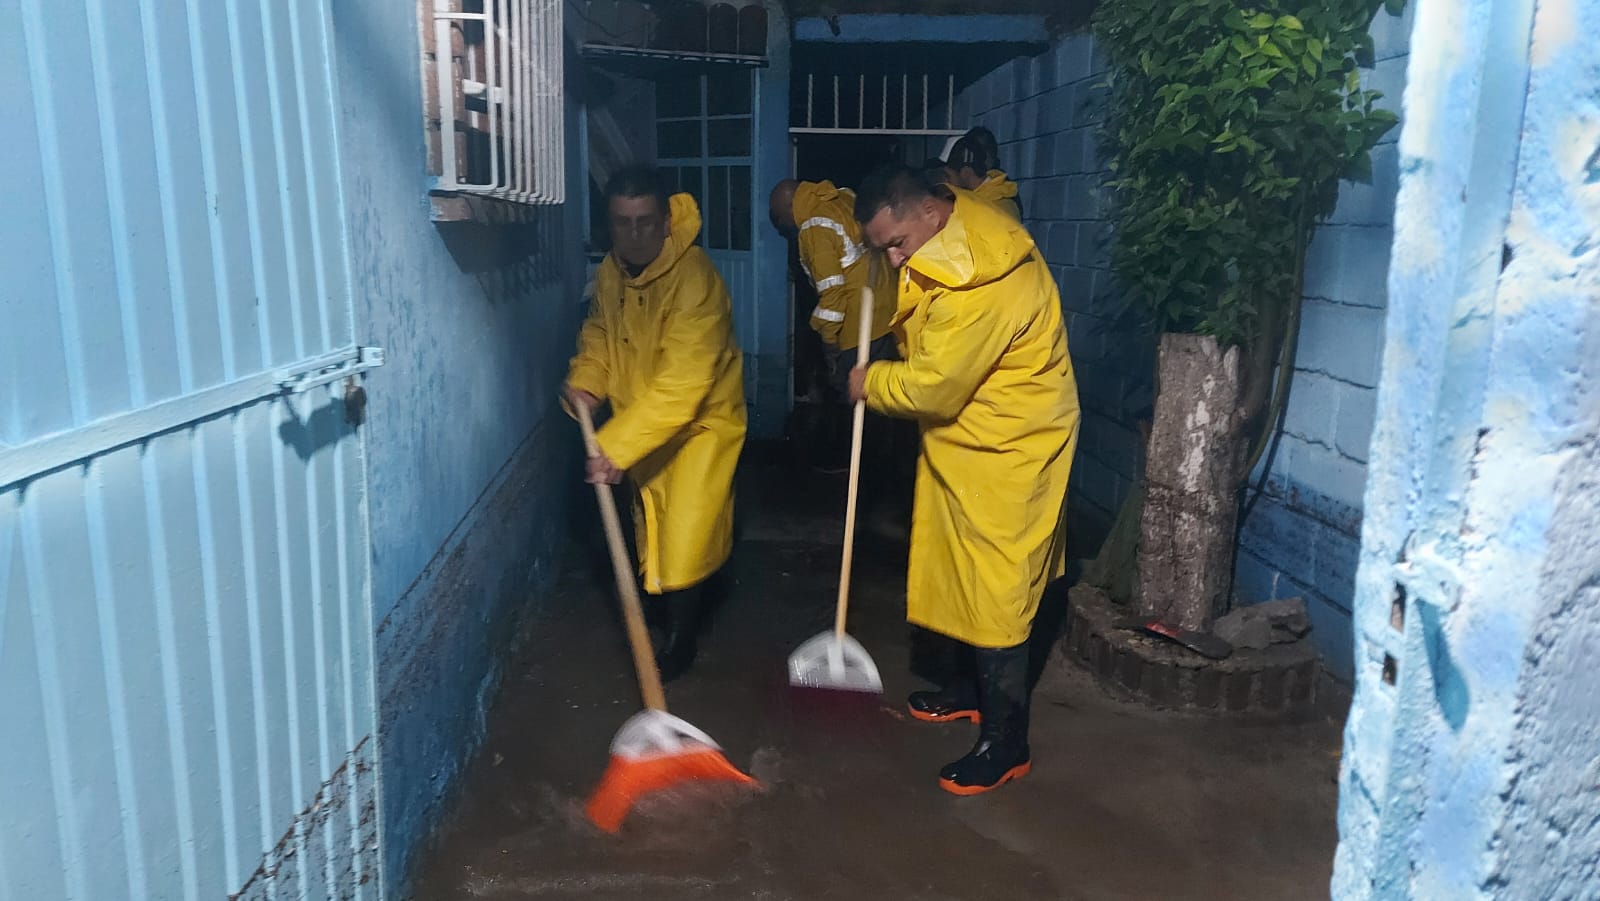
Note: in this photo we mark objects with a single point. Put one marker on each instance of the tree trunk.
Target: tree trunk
(1197, 446)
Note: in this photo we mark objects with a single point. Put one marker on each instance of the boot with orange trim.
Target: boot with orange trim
(1001, 753)
(953, 703)
(952, 666)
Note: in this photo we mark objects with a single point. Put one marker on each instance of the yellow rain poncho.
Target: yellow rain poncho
(1000, 191)
(661, 349)
(838, 263)
(988, 378)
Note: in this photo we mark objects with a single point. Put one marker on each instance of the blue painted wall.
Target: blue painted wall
(469, 459)
(1469, 764)
(1302, 537)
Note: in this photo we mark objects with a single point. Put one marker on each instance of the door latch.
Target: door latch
(328, 368)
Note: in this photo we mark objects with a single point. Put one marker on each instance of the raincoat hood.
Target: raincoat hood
(980, 244)
(997, 187)
(682, 230)
(810, 197)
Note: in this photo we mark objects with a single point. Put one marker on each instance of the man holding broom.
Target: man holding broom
(820, 219)
(659, 345)
(987, 377)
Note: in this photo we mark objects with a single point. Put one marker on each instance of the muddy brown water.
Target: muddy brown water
(1123, 802)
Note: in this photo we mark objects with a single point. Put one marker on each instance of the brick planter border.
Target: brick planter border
(1279, 680)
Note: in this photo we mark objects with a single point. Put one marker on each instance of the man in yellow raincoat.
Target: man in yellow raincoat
(659, 345)
(987, 376)
(820, 219)
(974, 165)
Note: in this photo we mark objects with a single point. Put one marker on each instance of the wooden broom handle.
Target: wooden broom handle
(644, 660)
(863, 349)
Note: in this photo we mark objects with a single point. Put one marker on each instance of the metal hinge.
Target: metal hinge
(328, 368)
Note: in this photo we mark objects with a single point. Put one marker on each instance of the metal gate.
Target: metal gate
(185, 668)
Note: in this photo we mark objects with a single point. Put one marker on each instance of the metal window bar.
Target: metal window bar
(520, 82)
(884, 125)
(924, 100)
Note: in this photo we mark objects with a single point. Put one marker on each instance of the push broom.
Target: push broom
(833, 660)
(654, 749)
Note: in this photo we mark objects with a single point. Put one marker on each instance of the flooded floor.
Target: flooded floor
(1123, 802)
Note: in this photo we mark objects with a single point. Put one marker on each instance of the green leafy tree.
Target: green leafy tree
(1228, 129)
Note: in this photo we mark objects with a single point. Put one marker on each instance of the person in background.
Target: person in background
(659, 346)
(974, 165)
(987, 377)
(820, 219)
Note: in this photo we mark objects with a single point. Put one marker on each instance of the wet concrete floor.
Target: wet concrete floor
(1123, 802)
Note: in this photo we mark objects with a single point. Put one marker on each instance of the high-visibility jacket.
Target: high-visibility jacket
(839, 264)
(661, 348)
(987, 376)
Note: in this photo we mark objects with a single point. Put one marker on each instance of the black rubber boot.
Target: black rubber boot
(677, 652)
(1001, 753)
(958, 701)
(953, 669)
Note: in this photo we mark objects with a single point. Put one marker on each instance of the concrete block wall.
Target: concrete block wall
(1045, 111)
(1303, 536)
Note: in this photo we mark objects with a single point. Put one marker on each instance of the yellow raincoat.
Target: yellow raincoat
(661, 349)
(839, 264)
(1000, 191)
(988, 378)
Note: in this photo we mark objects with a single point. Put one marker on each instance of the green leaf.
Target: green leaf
(1314, 47)
(1242, 46)
(1271, 49)
(1309, 64)
(1261, 21)
(1290, 22)
(1352, 81)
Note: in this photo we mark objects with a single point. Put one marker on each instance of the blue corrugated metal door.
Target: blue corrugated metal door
(185, 668)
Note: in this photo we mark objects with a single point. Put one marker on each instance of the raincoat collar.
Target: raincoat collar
(997, 186)
(681, 234)
(978, 245)
(810, 196)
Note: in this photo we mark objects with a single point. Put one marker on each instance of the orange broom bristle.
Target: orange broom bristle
(627, 779)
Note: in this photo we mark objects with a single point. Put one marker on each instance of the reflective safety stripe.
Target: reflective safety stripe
(852, 250)
(827, 315)
(832, 281)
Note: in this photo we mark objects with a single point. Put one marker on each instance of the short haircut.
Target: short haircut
(970, 153)
(895, 186)
(638, 181)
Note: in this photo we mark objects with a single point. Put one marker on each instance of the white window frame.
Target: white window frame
(495, 103)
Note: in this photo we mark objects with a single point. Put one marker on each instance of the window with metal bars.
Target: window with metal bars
(492, 87)
(704, 134)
